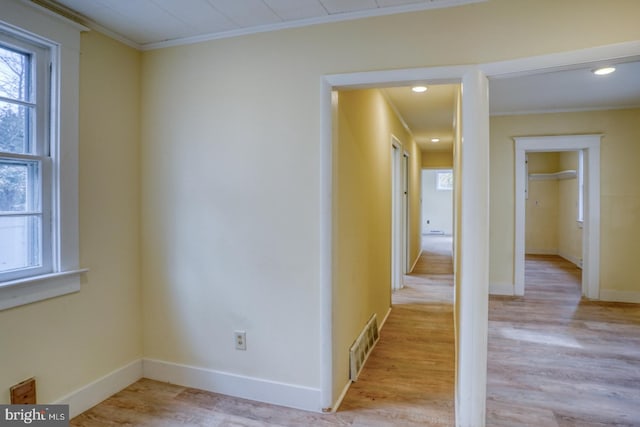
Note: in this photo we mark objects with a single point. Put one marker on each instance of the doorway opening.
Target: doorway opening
(437, 222)
(586, 157)
(399, 214)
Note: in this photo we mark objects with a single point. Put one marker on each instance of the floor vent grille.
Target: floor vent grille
(361, 348)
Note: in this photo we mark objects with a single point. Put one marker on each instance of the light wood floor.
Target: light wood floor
(407, 381)
(558, 360)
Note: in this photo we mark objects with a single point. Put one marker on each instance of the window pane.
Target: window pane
(19, 186)
(20, 242)
(14, 74)
(15, 123)
(445, 181)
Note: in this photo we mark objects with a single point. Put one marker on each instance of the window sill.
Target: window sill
(37, 288)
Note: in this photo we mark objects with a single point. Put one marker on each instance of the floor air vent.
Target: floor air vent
(361, 348)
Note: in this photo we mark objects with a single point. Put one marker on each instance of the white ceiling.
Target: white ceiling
(148, 24)
(428, 114)
(151, 23)
(569, 90)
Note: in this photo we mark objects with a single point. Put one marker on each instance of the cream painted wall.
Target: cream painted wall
(542, 206)
(437, 159)
(569, 231)
(620, 196)
(231, 169)
(70, 341)
(362, 216)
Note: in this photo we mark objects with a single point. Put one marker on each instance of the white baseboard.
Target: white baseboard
(541, 252)
(95, 392)
(384, 320)
(573, 260)
(619, 296)
(338, 402)
(501, 289)
(258, 389)
(416, 261)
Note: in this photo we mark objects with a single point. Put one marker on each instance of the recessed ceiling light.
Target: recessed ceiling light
(419, 89)
(604, 71)
(435, 139)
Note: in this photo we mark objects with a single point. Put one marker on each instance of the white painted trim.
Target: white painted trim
(384, 319)
(328, 115)
(340, 398)
(472, 279)
(564, 110)
(573, 260)
(338, 402)
(570, 258)
(620, 296)
(559, 61)
(397, 77)
(541, 251)
(590, 143)
(32, 289)
(78, 26)
(104, 387)
(338, 17)
(258, 389)
(501, 289)
(416, 260)
(62, 37)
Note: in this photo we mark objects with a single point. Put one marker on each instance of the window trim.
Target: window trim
(442, 172)
(62, 38)
(39, 151)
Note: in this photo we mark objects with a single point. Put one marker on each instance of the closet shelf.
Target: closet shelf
(568, 174)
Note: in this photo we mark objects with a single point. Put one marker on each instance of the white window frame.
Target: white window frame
(443, 172)
(61, 38)
(39, 144)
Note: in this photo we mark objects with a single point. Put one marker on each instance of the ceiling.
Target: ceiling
(577, 89)
(428, 114)
(149, 24)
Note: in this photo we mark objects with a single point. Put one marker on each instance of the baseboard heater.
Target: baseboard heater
(362, 347)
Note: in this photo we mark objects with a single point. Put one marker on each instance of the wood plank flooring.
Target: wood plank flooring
(436, 255)
(556, 360)
(407, 381)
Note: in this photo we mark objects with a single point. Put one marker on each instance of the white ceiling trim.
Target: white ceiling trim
(338, 17)
(397, 113)
(87, 24)
(563, 110)
(562, 61)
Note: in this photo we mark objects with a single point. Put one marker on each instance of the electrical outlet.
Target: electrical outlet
(241, 340)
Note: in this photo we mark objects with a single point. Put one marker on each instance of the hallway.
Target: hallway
(409, 378)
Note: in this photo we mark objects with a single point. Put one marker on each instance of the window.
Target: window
(444, 180)
(39, 75)
(25, 162)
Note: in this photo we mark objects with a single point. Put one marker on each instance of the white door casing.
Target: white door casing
(590, 144)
